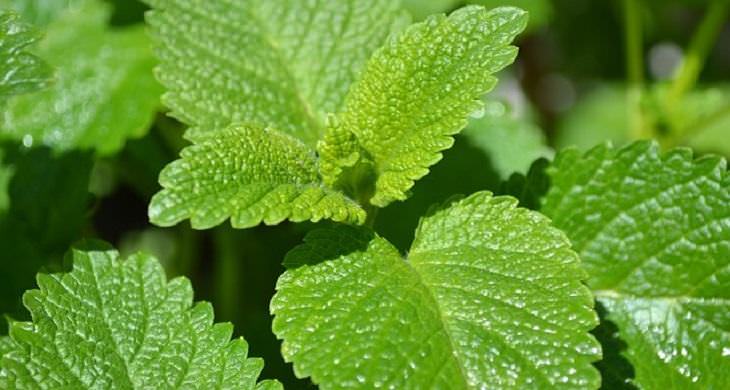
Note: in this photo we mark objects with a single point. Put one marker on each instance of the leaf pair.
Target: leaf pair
(490, 294)
(259, 71)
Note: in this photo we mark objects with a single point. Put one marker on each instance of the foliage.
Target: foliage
(398, 217)
(120, 323)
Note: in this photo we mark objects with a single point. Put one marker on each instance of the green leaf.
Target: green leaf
(540, 11)
(105, 91)
(42, 12)
(600, 116)
(653, 231)
(511, 143)
(114, 323)
(414, 94)
(704, 119)
(249, 175)
(20, 71)
(489, 296)
(283, 64)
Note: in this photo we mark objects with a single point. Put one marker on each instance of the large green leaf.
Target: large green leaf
(653, 231)
(249, 175)
(114, 323)
(20, 71)
(283, 63)
(415, 93)
(490, 296)
(105, 91)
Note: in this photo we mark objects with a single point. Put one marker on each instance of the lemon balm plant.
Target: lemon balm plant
(308, 111)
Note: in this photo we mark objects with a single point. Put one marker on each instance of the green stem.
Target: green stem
(634, 67)
(372, 213)
(226, 273)
(697, 52)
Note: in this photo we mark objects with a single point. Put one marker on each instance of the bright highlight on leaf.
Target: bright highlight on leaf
(653, 231)
(114, 323)
(249, 175)
(104, 94)
(20, 71)
(415, 93)
(490, 296)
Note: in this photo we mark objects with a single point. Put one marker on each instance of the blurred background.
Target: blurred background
(587, 72)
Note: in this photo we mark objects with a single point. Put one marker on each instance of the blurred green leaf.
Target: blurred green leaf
(703, 120)
(511, 143)
(43, 12)
(20, 71)
(599, 116)
(105, 91)
(420, 9)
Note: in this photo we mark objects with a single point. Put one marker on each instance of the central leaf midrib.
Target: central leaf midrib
(306, 106)
(442, 318)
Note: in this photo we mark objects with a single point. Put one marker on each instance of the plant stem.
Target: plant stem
(226, 273)
(697, 52)
(634, 67)
(372, 213)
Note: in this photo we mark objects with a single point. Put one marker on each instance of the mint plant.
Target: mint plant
(314, 121)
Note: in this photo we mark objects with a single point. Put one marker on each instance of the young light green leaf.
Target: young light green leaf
(653, 231)
(489, 297)
(105, 92)
(250, 175)
(114, 323)
(414, 94)
(20, 71)
(283, 64)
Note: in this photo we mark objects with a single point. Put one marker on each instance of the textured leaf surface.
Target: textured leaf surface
(490, 296)
(120, 324)
(415, 93)
(20, 71)
(653, 231)
(105, 91)
(249, 175)
(279, 63)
